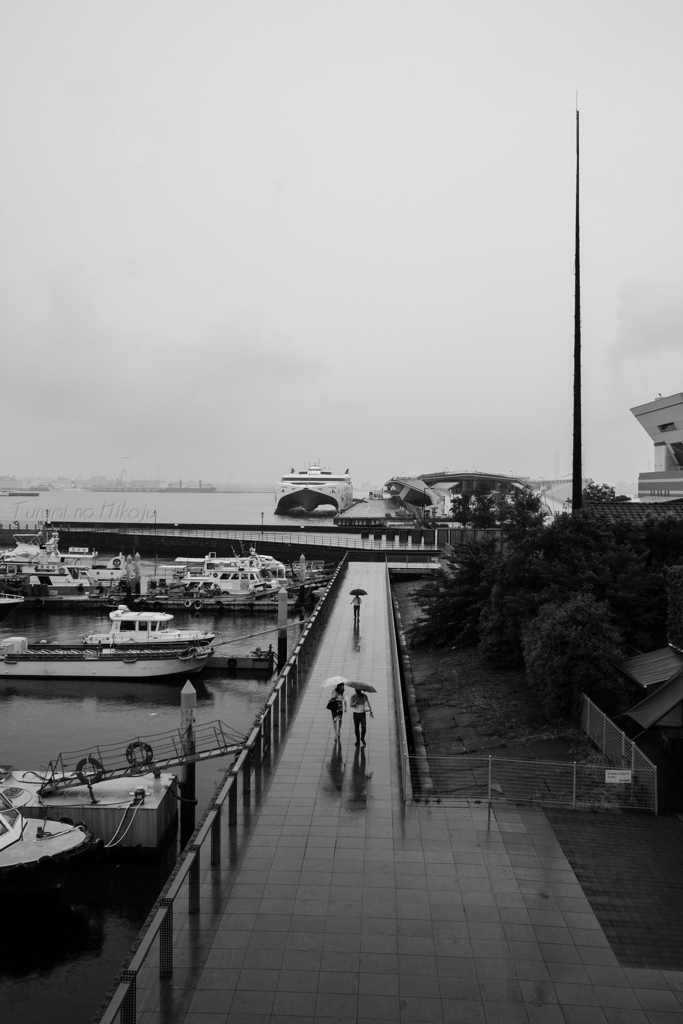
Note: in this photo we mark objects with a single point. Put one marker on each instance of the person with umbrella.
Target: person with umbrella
(357, 593)
(360, 705)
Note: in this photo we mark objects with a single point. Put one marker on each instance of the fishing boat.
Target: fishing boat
(268, 566)
(313, 488)
(36, 854)
(20, 659)
(152, 628)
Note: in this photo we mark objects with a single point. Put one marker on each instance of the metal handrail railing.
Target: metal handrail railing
(403, 750)
(123, 1003)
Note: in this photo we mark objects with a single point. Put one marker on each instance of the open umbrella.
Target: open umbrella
(360, 591)
(334, 681)
(361, 686)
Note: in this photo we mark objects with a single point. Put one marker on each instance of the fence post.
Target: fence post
(574, 788)
(488, 826)
(246, 773)
(129, 1013)
(216, 837)
(166, 940)
(194, 879)
(232, 802)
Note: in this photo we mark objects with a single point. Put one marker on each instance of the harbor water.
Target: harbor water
(63, 952)
(131, 507)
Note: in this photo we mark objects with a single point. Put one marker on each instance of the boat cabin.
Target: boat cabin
(125, 621)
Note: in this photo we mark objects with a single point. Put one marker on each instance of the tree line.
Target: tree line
(565, 599)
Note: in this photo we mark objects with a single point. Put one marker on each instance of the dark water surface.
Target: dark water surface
(59, 955)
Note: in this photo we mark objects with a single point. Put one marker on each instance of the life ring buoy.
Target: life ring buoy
(215, 575)
(89, 771)
(39, 602)
(139, 754)
(62, 571)
(232, 662)
(187, 604)
(198, 605)
(218, 604)
(116, 562)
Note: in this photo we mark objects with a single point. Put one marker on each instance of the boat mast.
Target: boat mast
(577, 470)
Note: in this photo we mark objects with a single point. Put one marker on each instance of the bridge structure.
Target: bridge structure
(341, 899)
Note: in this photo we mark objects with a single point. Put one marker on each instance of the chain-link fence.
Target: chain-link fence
(617, 747)
(553, 783)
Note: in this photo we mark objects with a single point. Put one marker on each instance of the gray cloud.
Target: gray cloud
(649, 319)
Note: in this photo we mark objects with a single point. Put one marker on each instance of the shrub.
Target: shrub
(570, 649)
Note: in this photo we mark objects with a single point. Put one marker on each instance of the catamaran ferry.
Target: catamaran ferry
(312, 488)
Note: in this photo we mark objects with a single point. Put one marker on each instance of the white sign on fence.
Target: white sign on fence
(617, 775)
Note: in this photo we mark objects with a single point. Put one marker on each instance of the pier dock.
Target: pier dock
(342, 902)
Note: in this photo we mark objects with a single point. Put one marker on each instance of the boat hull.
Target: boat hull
(310, 498)
(101, 667)
(34, 866)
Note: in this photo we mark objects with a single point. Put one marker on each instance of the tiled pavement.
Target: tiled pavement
(349, 906)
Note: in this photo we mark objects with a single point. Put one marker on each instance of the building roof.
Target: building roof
(653, 668)
(659, 703)
(635, 512)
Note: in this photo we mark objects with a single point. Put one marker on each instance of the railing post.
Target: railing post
(216, 837)
(194, 879)
(129, 1011)
(276, 714)
(166, 941)
(246, 773)
(574, 788)
(232, 802)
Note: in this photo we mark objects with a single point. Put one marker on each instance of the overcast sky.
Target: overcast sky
(237, 237)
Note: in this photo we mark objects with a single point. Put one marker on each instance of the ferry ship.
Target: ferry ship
(312, 488)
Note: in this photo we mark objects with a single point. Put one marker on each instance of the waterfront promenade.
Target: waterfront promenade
(342, 904)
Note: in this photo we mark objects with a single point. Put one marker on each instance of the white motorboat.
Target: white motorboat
(268, 566)
(36, 853)
(312, 488)
(21, 660)
(37, 560)
(150, 628)
(229, 579)
(8, 602)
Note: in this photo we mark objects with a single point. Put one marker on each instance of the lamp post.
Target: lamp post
(262, 514)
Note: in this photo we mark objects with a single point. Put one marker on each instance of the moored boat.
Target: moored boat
(37, 853)
(152, 628)
(8, 602)
(19, 659)
(36, 560)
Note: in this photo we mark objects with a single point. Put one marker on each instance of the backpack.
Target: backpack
(333, 703)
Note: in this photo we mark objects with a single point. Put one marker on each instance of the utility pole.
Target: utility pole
(577, 469)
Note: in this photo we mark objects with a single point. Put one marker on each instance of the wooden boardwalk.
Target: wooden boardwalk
(338, 903)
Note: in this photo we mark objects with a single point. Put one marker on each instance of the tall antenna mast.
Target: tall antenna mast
(577, 470)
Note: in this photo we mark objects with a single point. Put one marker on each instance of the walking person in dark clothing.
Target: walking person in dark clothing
(337, 705)
(360, 705)
(356, 609)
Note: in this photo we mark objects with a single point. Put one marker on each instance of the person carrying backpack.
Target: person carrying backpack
(337, 705)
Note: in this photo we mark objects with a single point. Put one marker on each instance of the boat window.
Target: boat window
(127, 625)
(163, 625)
(143, 626)
(153, 626)
(252, 576)
(3, 828)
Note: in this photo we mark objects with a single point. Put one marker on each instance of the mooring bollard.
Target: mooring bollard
(195, 879)
(166, 940)
(129, 1006)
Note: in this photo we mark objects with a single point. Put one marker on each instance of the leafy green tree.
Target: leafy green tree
(570, 649)
(451, 604)
(475, 509)
(601, 492)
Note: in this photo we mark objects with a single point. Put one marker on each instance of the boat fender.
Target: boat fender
(62, 571)
(89, 771)
(232, 662)
(198, 605)
(218, 604)
(139, 754)
(187, 604)
(116, 562)
(66, 820)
